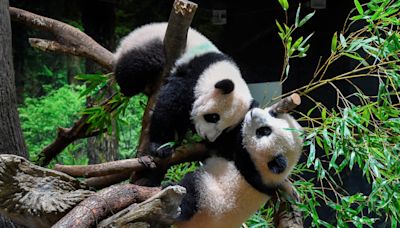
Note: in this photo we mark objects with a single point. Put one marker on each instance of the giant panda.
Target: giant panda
(204, 91)
(253, 160)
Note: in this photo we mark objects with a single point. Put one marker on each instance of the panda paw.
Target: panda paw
(278, 164)
(161, 151)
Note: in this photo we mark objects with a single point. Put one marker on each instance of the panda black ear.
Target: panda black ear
(226, 86)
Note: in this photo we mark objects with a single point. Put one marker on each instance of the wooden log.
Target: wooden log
(110, 200)
(160, 210)
(34, 196)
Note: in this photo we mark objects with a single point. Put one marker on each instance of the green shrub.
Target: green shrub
(40, 118)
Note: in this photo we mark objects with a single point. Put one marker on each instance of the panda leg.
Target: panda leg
(171, 116)
(189, 204)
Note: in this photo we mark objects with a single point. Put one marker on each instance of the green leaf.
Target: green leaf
(359, 7)
(279, 27)
(311, 155)
(342, 40)
(352, 155)
(323, 114)
(353, 56)
(296, 21)
(284, 4)
(306, 18)
(334, 43)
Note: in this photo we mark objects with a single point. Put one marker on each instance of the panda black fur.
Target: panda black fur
(204, 91)
(252, 161)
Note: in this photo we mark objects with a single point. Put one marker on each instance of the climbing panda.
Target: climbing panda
(252, 161)
(204, 91)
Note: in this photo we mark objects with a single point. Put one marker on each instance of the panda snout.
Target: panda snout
(278, 164)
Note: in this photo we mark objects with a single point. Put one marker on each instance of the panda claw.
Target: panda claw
(157, 150)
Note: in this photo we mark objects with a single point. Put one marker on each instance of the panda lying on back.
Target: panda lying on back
(252, 161)
(204, 89)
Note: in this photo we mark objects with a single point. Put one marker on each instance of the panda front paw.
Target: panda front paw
(161, 151)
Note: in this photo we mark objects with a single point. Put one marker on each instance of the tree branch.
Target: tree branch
(287, 104)
(186, 153)
(179, 21)
(70, 39)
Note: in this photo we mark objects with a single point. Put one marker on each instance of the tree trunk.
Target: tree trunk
(98, 19)
(11, 139)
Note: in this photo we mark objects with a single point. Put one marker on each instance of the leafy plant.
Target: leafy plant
(363, 134)
(40, 118)
(299, 47)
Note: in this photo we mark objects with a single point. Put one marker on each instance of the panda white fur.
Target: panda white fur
(204, 91)
(256, 159)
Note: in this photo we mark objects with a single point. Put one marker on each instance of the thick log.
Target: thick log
(107, 180)
(67, 36)
(158, 211)
(34, 196)
(110, 200)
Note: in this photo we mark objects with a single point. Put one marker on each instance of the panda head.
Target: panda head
(222, 99)
(273, 142)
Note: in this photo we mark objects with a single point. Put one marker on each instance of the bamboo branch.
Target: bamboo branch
(69, 39)
(287, 104)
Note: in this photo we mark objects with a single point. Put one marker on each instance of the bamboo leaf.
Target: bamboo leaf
(353, 56)
(284, 4)
(334, 43)
(296, 21)
(342, 40)
(359, 7)
(306, 18)
(279, 26)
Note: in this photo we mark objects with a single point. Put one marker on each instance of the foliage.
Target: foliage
(40, 118)
(175, 173)
(130, 125)
(361, 134)
(126, 112)
(298, 48)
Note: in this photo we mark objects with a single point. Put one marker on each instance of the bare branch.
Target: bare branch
(54, 46)
(67, 36)
(287, 104)
(192, 152)
(179, 21)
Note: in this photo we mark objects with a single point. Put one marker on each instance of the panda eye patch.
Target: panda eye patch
(211, 118)
(273, 113)
(263, 131)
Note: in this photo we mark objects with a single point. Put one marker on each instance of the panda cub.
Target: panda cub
(256, 159)
(204, 91)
